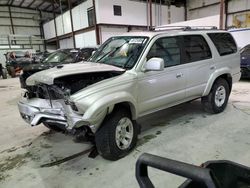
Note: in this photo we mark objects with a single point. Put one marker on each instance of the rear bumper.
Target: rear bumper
(36, 111)
(236, 77)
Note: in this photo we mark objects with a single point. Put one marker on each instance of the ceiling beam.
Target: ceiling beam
(10, 2)
(21, 3)
(38, 6)
(31, 4)
(47, 7)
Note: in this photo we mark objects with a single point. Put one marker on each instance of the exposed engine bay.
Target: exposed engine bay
(63, 87)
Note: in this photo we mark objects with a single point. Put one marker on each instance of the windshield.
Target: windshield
(245, 51)
(60, 57)
(120, 51)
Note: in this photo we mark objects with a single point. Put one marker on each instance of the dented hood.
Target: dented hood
(48, 76)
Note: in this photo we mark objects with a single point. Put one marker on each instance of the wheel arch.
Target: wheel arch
(220, 74)
(129, 106)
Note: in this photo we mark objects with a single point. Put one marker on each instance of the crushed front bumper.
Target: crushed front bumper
(36, 111)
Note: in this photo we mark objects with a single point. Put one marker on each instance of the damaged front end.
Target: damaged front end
(51, 104)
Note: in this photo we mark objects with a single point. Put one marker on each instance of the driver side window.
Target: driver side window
(168, 49)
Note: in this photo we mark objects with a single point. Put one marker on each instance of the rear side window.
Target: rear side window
(224, 43)
(196, 48)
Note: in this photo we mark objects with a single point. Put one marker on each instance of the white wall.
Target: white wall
(49, 30)
(135, 13)
(25, 22)
(199, 12)
(79, 15)
(206, 21)
(66, 43)
(85, 39)
(63, 24)
(241, 36)
(107, 32)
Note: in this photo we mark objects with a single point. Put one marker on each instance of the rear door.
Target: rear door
(198, 58)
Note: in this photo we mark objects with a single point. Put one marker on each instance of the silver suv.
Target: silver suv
(129, 77)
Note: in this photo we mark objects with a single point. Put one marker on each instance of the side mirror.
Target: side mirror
(154, 64)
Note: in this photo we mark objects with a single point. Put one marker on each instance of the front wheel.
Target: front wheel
(217, 99)
(117, 135)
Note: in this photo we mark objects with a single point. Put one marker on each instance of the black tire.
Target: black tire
(4, 73)
(105, 137)
(53, 127)
(209, 103)
(12, 72)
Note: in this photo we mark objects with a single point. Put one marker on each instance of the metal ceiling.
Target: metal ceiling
(43, 5)
(61, 5)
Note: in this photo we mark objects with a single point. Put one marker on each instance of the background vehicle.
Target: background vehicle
(3, 72)
(211, 174)
(245, 62)
(58, 57)
(16, 60)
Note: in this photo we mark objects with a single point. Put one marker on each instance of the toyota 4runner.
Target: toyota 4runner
(129, 77)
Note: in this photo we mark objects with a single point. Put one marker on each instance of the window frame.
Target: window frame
(211, 38)
(115, 9)
(90, 11)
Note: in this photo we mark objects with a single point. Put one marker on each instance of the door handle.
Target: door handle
(212, 67)
(179, 75)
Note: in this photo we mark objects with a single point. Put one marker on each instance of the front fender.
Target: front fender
(213, 77)
(106, 105)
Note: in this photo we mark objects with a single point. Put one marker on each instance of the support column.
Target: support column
(97, 33)
(54, 15)
(11, 21)
(226, 13)
(42, 32)
(150, 15)
(221, 14)
(72, 26)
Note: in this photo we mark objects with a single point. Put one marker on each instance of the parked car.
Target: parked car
(16, 60)
(3, 72)
(38, 57)
(129, 77)
(58, 57)
(245, 62)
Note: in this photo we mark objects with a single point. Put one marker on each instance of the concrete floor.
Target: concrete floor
(184, 133)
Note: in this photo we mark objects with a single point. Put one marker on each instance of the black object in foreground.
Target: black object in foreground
(212, 174)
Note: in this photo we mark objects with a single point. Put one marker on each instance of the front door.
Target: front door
(159, 89)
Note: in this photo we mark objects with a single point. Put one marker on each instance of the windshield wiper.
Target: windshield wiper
(110, 52)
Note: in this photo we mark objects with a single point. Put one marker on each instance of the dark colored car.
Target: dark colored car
(245, 62)
(16, 60)
(58, 57)
(40, 56)
(3, 72)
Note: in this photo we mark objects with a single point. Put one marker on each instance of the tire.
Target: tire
(217, 99)
(53, 127)
(106, 137)
(4, 74)
(12, 72)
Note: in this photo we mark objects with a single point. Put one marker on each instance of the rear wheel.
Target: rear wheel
(12, 72)
(117, 136)
(217, 99)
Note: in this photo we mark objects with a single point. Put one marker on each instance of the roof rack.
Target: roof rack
(184, 28)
